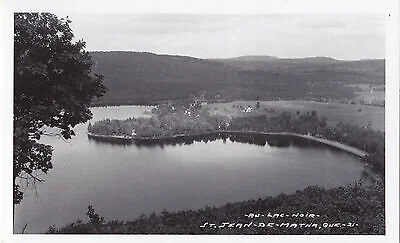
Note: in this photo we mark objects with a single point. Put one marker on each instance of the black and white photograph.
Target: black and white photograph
(202, 123)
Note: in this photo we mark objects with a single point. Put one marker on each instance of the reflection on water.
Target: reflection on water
(273, 140)
(276, 140)
(124, 181)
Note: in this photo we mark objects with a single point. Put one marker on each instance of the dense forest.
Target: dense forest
(338, 70)
(168, 120)
(351, 209)
(143, 78)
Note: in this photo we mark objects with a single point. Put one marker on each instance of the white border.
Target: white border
(206, 6)
(7, 8)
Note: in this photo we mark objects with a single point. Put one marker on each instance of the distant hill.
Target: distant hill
(373, 71)
(133, 76)
(140, 77)
(250, 58)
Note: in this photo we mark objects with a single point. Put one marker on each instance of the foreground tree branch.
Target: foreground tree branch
(53, 87)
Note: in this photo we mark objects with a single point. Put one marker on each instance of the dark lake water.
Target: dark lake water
(124, 181)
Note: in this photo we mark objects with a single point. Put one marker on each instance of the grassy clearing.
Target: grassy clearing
(359, 115)
(369, 93)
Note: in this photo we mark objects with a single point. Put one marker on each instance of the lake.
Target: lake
(124, 181)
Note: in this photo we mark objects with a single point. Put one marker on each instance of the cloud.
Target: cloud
(227, 35)
(323, 24)
(340, 21)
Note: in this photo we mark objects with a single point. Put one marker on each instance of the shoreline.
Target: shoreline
(159, 102)
(352, 150)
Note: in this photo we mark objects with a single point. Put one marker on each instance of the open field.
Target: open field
(370, 96)
(369, 93)
(359, 115)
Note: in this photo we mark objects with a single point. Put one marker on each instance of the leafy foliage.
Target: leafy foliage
(53, 87)
(94, 217)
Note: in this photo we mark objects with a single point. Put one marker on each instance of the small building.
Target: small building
(248, 109)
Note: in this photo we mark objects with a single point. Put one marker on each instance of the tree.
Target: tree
(313, 113)
(53, 88)
(94, 217)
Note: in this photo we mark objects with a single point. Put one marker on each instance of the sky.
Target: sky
(343, 36)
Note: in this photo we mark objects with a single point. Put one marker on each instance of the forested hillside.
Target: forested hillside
(144, 77)
(319, 68)
(133, 77)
